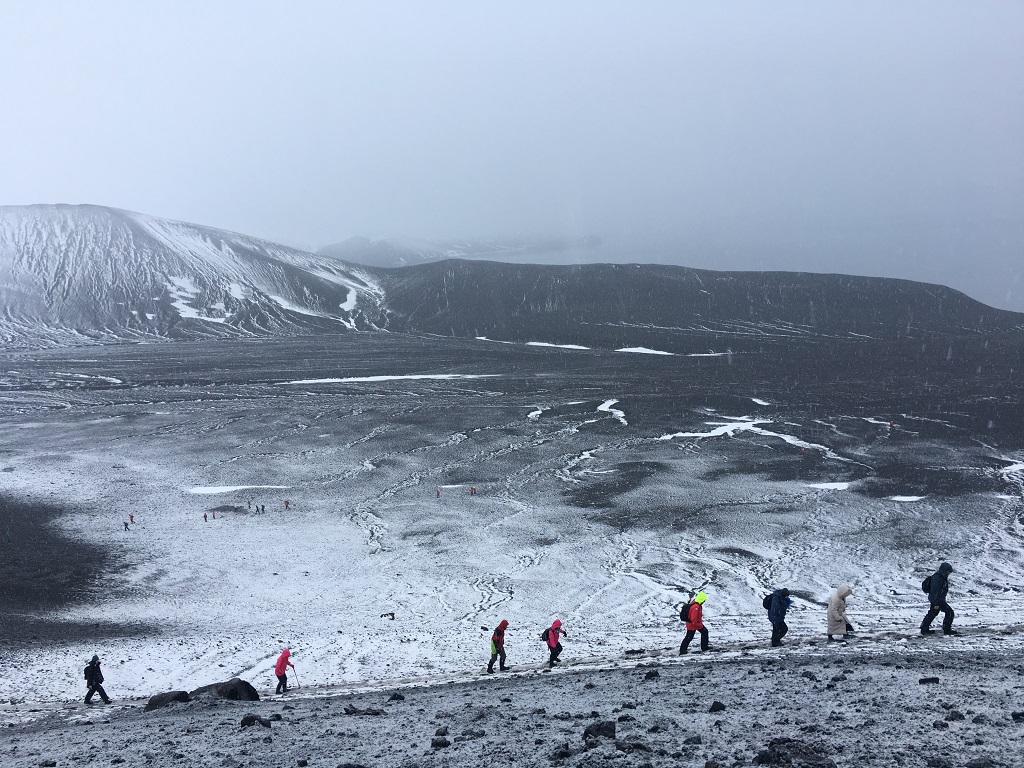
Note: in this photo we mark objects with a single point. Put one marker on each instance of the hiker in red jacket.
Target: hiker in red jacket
(694, 619)
(498, 647)
(550, 637)
(281, 668)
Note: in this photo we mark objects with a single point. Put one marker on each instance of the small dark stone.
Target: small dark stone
(928, 680)
(303, 762)
(655, 729)
(442, 731)
(276, 718)
(979, 719)
(981, 762)
(503, 700)
(626, 718)
(940, 725)
(268, 739)
(562, 752)
(48, 764)
(953, 715)
(251, 719)
(652, 674)
(474, 733)
(809, 675)
(1018, 717)
(605, 728)
(712, 764)
(839, 679)
(396, 696)
(631, 746)
(693, 740)
(588, 686)
(439, 743)
(717, 706)
(939, 762)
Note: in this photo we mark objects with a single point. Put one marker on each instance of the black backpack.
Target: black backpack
(926, 585)
(545, 634)
(767, 602)
(684, 612)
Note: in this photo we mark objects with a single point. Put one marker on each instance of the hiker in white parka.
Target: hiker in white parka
(838, 624)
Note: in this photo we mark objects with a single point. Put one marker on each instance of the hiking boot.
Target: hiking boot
(682, 651)
(951, 632)
(927, 631)
(490, 671)
(504, 669)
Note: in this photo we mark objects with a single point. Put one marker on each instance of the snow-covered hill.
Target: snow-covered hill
(73, 273)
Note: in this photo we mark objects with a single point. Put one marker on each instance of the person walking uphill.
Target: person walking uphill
(94, 679)
(694, 619)
(550, 636)
(937, 586)
(838, 624)
(498, 647)
(778, 603)
(281, 670)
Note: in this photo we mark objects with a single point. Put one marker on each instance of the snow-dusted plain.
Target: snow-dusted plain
(604, 496)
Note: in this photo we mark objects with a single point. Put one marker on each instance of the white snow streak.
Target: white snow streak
(645, 351)
(606, 407)
(559, 346)
(211, 489)
(830, 486)
(760, 402)
(905, 498)
(425, 376)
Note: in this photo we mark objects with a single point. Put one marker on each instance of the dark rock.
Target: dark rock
(839, 679)
(234, 689)
(928, 680)
(652, 675)
(940, 725)
(163, 699)
(938, 762)
(626, 718)
(396, 697)
(693, 740)
(953, 715)
(48, 764)
(717, 706)
(354, 710)
(635, 652)
(712, 764)
(562, 752)
(809, 675)
(538, 711)
(251, 719)
(442, 731)
(605, 728)
(979, 719)
(588, 686)
(303, 762)
(351, 765)
(981, 762)
(656, 728)
(790, 752)
(1018, 717)
(439, 743)
(474, 733)
(505, 699)
(276, 717)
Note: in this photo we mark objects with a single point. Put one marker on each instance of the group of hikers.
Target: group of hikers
(838, 628)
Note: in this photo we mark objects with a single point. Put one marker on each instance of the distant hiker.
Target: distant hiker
(838, 624)
(205, 520)
(778, 603)
(550, 636)
(937, 585)
(215, 514)
(439, 493)
(131, 519)
(94, 680)
(498, 647)
(472, 490)
(248, 504)
(286, 503)
(126, 526)
(263, 510)
(693, 615)
(281, 668)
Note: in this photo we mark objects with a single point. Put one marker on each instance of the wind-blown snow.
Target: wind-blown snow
(214, 489)
(906, 498)
(829, 486)
(760, 402)
(559, 346)
(645, 351)
(407, 377)
(493, 341)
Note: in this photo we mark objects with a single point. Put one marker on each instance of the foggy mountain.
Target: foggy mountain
(69, 274)
(72, 274)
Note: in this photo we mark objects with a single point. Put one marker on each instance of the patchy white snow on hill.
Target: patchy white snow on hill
(70, 274)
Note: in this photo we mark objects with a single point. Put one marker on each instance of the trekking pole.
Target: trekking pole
(296, 673)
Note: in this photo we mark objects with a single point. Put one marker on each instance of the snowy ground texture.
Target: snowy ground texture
(609, 486)
(936, 702)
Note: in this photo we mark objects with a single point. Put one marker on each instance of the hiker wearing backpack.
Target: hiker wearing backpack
(550, 636)
(838, 624)
(937, 586)
(94, 679)
(778, 603)
(281, 670)
(693, 615)
(498, 647)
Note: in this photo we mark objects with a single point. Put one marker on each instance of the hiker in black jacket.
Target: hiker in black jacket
(94, 679)
(938, 588)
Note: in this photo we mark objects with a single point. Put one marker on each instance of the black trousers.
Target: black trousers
(947, 617)
(500, 653)
(555, 652)
(778, 632)
(94, 689)
(282, 683)
(689, 636)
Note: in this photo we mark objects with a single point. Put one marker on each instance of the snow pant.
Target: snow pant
(555, 653)
(778, 632)
(94, 689)
(947, 617)
(500, 653)
(282, 683)
(689, 636)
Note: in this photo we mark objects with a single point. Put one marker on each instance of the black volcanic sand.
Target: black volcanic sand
(44, 571)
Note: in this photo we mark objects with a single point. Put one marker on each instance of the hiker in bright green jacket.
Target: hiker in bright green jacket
(498, 647)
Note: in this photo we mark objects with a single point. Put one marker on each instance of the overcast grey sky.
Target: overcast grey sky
(865, 137)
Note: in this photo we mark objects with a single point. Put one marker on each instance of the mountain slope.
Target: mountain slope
(73, 272)
(403, 252)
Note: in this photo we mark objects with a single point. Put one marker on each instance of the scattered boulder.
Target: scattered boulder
(635, 652)
(396, 696)
(790, 752)
(439, 743)
(471, 733)
(928, 681)
(234, 689)
(953, 715)
(652, 675)
(693, 740)
(276, 717)
(251, 719)
(717, 706)
(562, 752)
(442, 731)
(940, 725)
(938, 762)
(981, 762)
(979, 719)
(631, 746)
(161, 700)
(303, 762)
(1018, 717)
(350, 709)
(604, 728)
(48, 764)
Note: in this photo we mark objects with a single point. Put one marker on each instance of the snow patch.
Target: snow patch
(606, 407)
(760, 402)
(906, 498)
(212, 489)
(408, 377)
(830, 486)
(493, 341)
(645, 351)
(559, 346)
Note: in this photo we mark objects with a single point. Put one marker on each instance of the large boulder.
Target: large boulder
(235, 689)
(163, 699)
